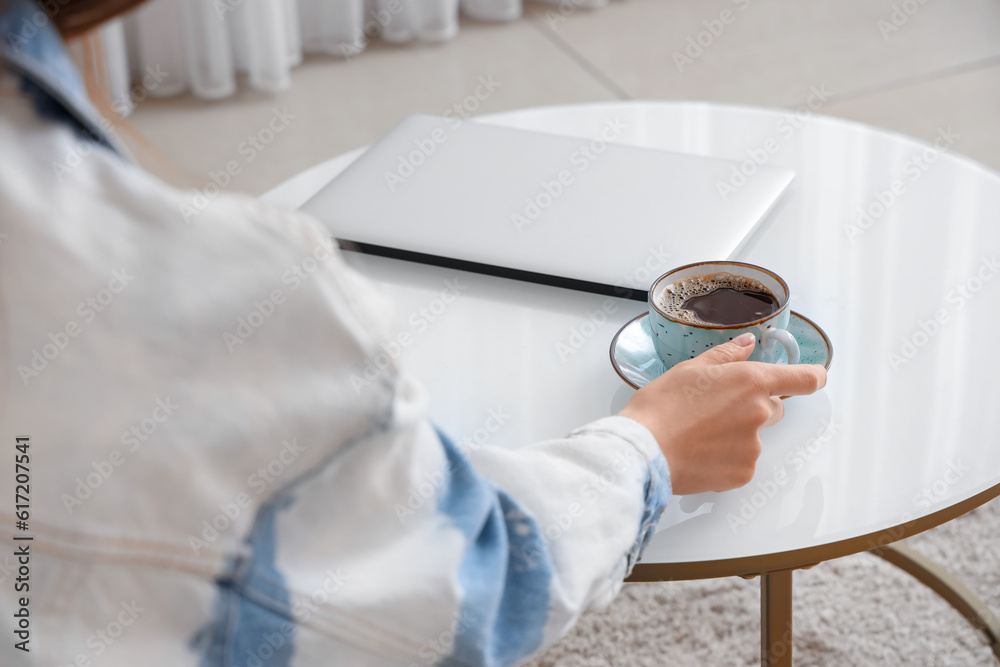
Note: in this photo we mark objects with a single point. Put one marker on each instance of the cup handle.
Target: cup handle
(787, 341)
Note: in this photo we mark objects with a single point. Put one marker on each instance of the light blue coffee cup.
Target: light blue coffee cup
(676, 340)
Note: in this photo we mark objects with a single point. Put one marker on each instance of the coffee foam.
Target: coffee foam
(671, 298)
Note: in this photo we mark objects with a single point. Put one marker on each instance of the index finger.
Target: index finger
(794, 380)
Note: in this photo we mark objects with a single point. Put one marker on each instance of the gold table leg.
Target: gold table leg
(776, 619)
(948, 587)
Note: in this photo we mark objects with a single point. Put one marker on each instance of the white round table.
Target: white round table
(890, 244)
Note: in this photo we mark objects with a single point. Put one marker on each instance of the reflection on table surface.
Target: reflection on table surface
(888, 243)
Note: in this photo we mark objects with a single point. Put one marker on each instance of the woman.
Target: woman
(196, 502)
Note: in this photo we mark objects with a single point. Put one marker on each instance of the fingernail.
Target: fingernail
(745, 340)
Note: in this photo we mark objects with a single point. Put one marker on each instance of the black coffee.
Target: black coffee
(717, 299)
(731, 306)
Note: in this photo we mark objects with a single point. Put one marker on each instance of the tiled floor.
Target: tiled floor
(940, 67)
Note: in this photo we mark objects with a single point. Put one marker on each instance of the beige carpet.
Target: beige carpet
(853, 611)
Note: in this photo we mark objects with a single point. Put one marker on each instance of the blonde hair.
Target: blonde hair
(75, 17)
(89, 53)
(77, 21)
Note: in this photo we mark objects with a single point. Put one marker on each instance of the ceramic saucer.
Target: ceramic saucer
(635, 360)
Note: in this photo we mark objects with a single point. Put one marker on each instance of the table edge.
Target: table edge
(759, 564)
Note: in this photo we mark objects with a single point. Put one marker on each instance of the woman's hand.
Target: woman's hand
(706, 413)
